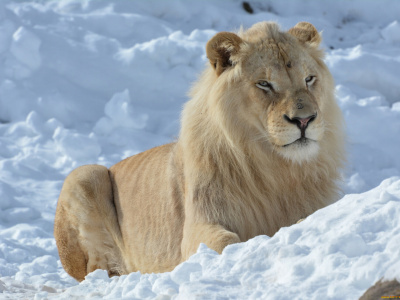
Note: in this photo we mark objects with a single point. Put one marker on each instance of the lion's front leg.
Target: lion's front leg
(215, 237)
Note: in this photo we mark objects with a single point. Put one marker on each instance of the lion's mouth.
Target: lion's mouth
(302, 142)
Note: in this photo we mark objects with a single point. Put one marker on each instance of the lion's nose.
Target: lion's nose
(301, 123)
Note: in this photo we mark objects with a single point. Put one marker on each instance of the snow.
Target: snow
(89, 81)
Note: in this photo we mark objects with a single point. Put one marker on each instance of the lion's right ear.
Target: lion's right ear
(220, 50)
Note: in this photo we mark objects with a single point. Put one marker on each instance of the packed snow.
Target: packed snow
(86, 82)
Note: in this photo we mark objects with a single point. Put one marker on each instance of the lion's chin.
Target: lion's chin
(301, 150)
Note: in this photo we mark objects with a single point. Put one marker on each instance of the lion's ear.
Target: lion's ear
(306, 33)
(220, 50)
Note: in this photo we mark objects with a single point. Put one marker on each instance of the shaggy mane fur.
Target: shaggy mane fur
(235, 174)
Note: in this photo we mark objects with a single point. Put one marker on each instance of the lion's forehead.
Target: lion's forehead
(271, 58)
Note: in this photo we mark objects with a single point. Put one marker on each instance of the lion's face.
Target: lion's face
(284, 87)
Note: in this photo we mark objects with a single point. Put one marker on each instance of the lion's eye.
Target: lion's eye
(265, 85)
(310, 80)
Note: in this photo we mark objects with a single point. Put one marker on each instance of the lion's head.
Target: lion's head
(277, 83)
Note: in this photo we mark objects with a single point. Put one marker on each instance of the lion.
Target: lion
(261, 146)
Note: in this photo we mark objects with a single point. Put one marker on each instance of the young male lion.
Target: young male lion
(260, 147)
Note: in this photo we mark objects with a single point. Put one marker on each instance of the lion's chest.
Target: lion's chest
(266, 214)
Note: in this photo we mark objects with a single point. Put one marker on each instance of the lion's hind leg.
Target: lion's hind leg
(86, 227)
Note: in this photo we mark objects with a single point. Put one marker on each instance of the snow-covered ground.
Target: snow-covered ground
(96, 81)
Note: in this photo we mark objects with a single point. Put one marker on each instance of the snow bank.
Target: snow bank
(96, 81)
(336, 253)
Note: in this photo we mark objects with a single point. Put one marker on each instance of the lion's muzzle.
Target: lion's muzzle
(302, 123)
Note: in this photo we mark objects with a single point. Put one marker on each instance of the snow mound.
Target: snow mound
(348, 244)
(391, 33)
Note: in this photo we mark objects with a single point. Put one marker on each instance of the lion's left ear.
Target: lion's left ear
(220, 50)
(306, 33)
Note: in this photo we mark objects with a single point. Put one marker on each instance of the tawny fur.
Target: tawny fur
(235, 172)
